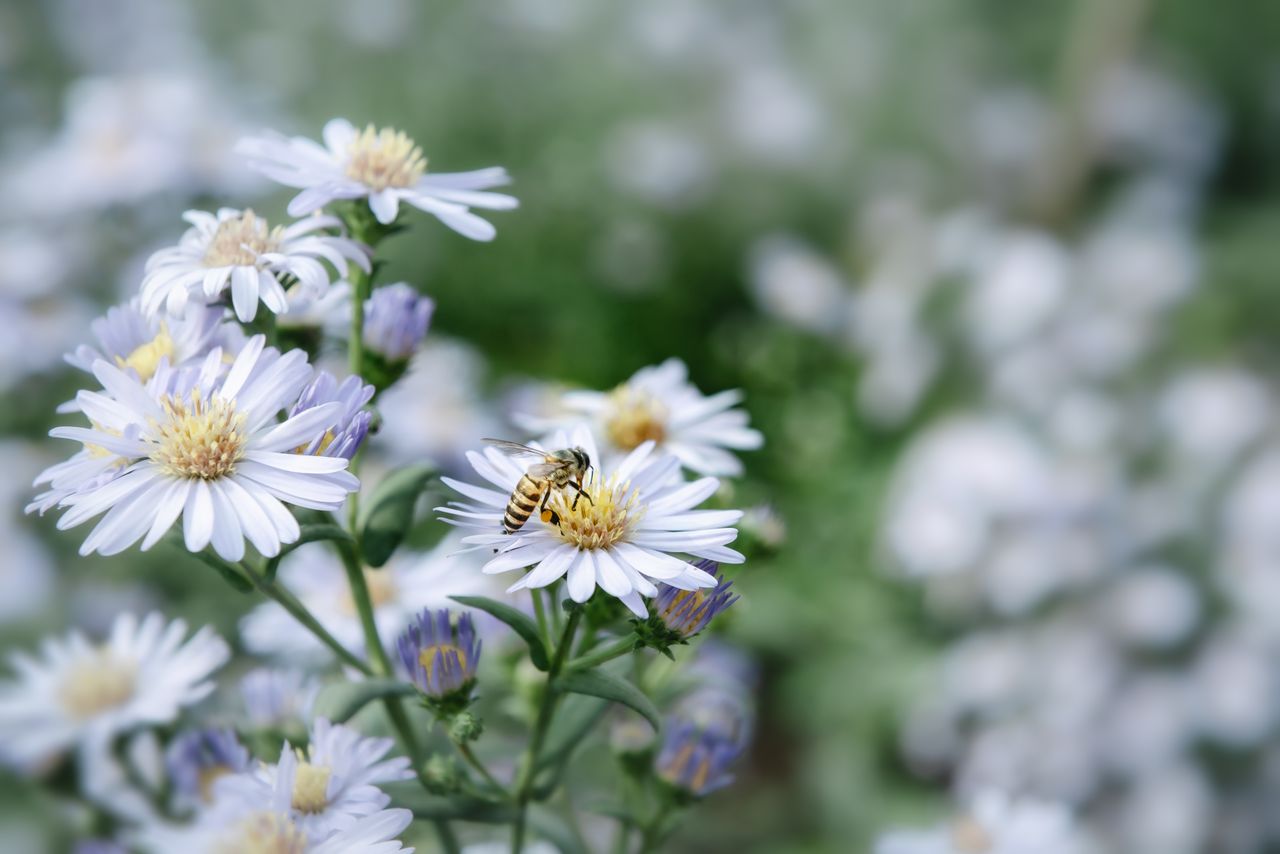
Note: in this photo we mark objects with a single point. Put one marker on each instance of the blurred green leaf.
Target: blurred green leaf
(340, 701)
(598, 683)
(311, 533)
(386, 517)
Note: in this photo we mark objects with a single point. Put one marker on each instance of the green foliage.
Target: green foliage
(387, 515)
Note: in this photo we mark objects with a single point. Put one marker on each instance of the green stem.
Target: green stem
(529, 765)
(620, 647)
(299, 612)
(540, 613)
(474, 761)
(376, 652)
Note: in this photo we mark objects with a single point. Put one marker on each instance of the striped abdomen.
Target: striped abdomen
(523, 501)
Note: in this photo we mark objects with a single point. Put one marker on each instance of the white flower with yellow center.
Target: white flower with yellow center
(383, 165)
(330, 784)
(76, 693)
(399, 590)
(659, 404)
(135, 341)
(625, 537)
(239, 251)
(206, 444)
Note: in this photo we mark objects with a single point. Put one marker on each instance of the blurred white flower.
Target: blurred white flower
(78, 693)
(237, 251)
(792, 282)
(995, 824)
(659, 405)
(382, 165)
(278, 698)
(131, 339)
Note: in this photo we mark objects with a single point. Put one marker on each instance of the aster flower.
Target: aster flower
(395, 321)
(995, 824)
(439, 658)
(77, 693)
(351, 424)
(399, 591)
(659, 404)
(694, 759)
(206, 445)
(237, 250)
(687, 612)
(136, 341)
(330, 784)
(384, 166)
(277, 698)
(627, 535)
(197, 758)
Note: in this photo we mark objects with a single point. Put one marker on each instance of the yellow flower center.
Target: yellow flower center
(207, 777)
(200, 439)
(239, 240)
(634, 417)
(600, 522)
(146, 357)
(97, 683)
(310, 786)
(970, 837)
(264, 833)
(384, 158)
(428, 657)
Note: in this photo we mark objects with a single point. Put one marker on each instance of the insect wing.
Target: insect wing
(515, 449)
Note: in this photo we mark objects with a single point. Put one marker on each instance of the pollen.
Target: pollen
(310, 786)
(200, 439)
(427, 658)
(601, 521)
(145, 358)
(240, 240)
(263, 833)
(382, 158)
(97, 683)
(633, 417)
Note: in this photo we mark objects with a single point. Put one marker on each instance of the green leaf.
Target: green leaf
(597, 683)
(388, 514)
(518, 620)
(450, 807)
(229, 572)
(555, 830)
(340, 701)
(311, 532)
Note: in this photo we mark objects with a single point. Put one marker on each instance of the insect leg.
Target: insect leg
(546, 513)
(582, 493)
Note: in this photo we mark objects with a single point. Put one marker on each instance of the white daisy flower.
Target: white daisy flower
(382, 165)
(626, 536)
(995, 824)
(77, 693)
(237, 250)
(206, 445)
(399, 590)
(659, 404)
(331, 784)
(131, 339)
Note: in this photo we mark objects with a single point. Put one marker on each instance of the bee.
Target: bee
(558, 470)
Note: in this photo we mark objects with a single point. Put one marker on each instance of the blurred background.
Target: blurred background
(999, 281)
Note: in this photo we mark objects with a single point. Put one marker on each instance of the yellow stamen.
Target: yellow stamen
(239, 240)
(201, 439)
(310, 786)
(97, 683)
(385, 158)
(633, 417)
(427, 657)
(146, 357)
(601, 521)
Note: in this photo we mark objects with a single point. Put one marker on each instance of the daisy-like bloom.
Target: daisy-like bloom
(382, 165)
(440, 659)
(197, 758)
(331, 784)
(638, 517)
(206, 445)
(399, 590)
(687, 612)
(328, 310)
(395, 321)
(136, 341)
(77, 692)
(351, 425)
(277, 698)
(696, 759)
(237, 250)
(659, 404)
(994, 824)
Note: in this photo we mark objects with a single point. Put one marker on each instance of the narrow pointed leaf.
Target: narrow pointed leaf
(598, 683)
(340, 701)
(388, 514)
(518, 620)
(311, 532)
